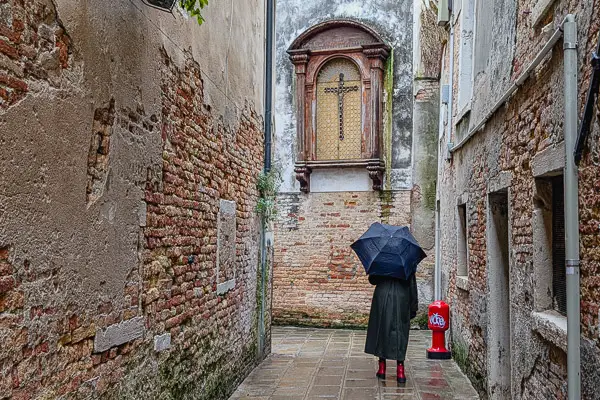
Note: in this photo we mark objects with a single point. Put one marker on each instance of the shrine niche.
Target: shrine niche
(339, 68)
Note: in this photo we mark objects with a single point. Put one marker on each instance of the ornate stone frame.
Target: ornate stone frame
(309, 52)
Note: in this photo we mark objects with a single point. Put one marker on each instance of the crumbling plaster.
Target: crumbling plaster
(82, 251)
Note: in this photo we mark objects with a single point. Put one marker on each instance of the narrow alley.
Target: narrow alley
(185, 183)
(311, 364)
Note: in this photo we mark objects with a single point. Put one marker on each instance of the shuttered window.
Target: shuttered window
(559, 286)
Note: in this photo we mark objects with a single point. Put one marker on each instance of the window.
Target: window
(339, 109)
(549, 245)
(462, 252)
(465, 63)
(339, 70)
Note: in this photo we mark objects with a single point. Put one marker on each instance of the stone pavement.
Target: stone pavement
(331, 364)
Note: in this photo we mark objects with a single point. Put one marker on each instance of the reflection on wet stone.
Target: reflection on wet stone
(312, 364)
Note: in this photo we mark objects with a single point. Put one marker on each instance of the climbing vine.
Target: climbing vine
(194, 8)
(268, 185)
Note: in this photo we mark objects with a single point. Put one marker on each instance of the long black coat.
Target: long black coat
(395, 302)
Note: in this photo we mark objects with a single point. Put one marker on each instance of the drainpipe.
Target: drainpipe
(572, 211)
(451, 97)
(437, 278)
(269, 81)
(265, 242)
(437, 272)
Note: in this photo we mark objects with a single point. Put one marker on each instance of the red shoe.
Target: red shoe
(381, 373)
(400, 375)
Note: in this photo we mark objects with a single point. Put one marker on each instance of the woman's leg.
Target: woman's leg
(381, 371)
(400, 372)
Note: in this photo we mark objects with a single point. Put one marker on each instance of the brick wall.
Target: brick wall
(34, 49)
(530, 123)
(162, 331)
(318, 280)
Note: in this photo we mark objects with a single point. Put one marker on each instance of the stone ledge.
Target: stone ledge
(552, 327)
(225, 287)
(500, 182)
(463, 113)
(550, 161)
(462, 199)
(462, 282)
(118, 334)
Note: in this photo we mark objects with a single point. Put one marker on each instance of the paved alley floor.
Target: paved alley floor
(331, 364)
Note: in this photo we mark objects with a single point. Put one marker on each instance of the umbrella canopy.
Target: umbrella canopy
(387, 250)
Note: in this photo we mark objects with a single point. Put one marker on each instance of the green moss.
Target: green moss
(460, 354)
(429, 168)
(387, 198)
(388, 84)
(421, 321)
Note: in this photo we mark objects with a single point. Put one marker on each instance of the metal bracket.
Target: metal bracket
(572, 263)
(569, 45)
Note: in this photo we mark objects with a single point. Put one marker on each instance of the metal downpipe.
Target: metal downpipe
(437, 272)
(269, 33)
(572, 211)
(451, 97)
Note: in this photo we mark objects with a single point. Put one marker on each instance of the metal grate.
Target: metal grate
(339, 108)
(559, 279)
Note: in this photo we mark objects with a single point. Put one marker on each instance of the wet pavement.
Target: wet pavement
(331, 364)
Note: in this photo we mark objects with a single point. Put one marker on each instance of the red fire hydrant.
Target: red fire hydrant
(439, 322)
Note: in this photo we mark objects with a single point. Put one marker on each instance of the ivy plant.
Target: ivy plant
(194, 8)
(268, 186)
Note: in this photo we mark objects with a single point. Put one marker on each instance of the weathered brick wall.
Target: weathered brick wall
(318, 280)
(34, 49)
(530, 123)
(108, 241)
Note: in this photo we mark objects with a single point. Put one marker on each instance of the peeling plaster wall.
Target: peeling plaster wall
(71, 257)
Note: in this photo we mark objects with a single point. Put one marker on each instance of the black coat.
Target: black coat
(395, 303)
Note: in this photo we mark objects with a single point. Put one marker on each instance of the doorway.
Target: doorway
(499, 332)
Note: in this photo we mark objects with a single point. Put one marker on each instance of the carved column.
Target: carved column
(377, 54)
(300, 59)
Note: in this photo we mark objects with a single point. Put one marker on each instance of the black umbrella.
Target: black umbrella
(387, 250)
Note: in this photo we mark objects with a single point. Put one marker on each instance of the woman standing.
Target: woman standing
(394, 304)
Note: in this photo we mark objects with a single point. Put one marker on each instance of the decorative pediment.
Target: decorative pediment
(337, 34)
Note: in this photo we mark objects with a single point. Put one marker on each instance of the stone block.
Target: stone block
(118, 334)
(552, 327)
(162, 342)
(550, 161)
(500, 182)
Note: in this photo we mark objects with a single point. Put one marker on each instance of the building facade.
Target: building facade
(131, 142)
(355, 145)
(501, 196)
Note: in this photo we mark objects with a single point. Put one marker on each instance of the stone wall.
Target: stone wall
(521, 142)
(129, 245)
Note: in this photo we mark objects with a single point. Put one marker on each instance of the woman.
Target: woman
(394, 304)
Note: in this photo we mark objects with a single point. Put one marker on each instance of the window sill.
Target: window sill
(551, 326)
(362, 162)
(462, 282)
(463, 113)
